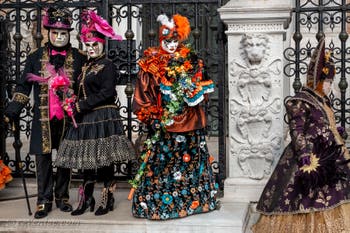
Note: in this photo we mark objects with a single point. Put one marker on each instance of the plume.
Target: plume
(164, 20)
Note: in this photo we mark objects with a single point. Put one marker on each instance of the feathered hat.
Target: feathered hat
(58, 18)
(321, 66)
(178, 27)
(95, 28)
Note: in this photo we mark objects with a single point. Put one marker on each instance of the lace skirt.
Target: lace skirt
(98, 141)
(336, 220)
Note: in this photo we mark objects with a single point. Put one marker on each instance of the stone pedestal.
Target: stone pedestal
(256, 34)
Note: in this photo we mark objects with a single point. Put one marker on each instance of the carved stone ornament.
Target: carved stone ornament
(255, 106)
(256, 160)
(253, 74)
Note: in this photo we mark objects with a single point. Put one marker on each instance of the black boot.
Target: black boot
(64, 205)
(43, 210)
(86, 199)
(107, 200)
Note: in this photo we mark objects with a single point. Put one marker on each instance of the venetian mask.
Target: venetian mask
(94, 49)
(170, 46)
(59, 37)
(327, 87)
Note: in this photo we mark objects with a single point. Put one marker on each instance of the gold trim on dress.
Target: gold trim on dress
(96, 68)
(105, 106)
(44, 102)
(334, 220)
(20, 98)
(77, 107)
(312, 166)
(333, 128)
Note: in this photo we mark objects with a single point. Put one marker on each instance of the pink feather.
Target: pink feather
(55, 81)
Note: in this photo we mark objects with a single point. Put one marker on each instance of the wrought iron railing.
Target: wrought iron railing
(136, 20)
(312, 21)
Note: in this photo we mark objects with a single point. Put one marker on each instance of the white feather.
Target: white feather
(164, 20)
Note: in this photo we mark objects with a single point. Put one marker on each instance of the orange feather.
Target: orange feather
(183, 27)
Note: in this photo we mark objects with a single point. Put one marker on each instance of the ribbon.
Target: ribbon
(54, 53)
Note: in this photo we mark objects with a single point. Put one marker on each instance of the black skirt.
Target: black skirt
(98, 141)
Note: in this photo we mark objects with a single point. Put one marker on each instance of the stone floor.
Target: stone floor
(231, 218)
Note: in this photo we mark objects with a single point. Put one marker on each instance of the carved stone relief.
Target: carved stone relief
(255, 105)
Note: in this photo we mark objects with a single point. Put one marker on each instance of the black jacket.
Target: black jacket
(40, 142)
(97, 85)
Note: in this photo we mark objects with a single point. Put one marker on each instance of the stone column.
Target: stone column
(256, 37)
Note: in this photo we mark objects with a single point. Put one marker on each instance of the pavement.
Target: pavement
(14, 217)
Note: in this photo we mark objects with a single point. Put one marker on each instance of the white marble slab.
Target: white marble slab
(14, 218)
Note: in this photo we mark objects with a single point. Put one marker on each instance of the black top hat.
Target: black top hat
(58, 18)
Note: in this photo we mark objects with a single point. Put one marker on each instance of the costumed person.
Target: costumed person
(5, 175)
(309, 190)
(98, 141)
(46, 69)
(175, 178)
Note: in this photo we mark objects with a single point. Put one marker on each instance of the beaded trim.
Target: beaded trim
(94, 153)
(77, 107)
(44, 110)
(20, 98)
(105, 106)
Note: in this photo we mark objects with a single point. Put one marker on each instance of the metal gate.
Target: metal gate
(313, 20)
(136, 20)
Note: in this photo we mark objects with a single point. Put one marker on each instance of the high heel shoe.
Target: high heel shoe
(107, 201)
(86, 201)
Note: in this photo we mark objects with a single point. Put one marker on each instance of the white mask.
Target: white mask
(94, 49)
(327, 87)
(170, 46)
(59, 37)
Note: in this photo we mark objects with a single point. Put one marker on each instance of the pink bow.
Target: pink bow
(54, 53)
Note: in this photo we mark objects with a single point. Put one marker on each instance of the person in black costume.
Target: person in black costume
(56, 57)
(98, 141)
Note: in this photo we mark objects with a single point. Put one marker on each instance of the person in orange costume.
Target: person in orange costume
(175, 179)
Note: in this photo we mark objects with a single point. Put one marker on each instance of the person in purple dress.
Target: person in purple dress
(309, 190)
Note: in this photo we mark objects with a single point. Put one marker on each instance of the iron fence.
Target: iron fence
(136, 20)
(312, 21)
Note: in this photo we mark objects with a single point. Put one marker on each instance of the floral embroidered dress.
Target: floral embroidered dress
(289, 203)
(175, 179)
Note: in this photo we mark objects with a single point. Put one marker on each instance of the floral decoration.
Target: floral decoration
(183, 84)
(5, 175)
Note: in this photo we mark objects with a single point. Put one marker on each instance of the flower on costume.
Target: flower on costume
(177, 175)
(156, 196)
(143, 205)
(186, 158)
(182, 84)
(183, 213)
(59, 92)
(180, 138)
(194, 205)
(167, 199)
